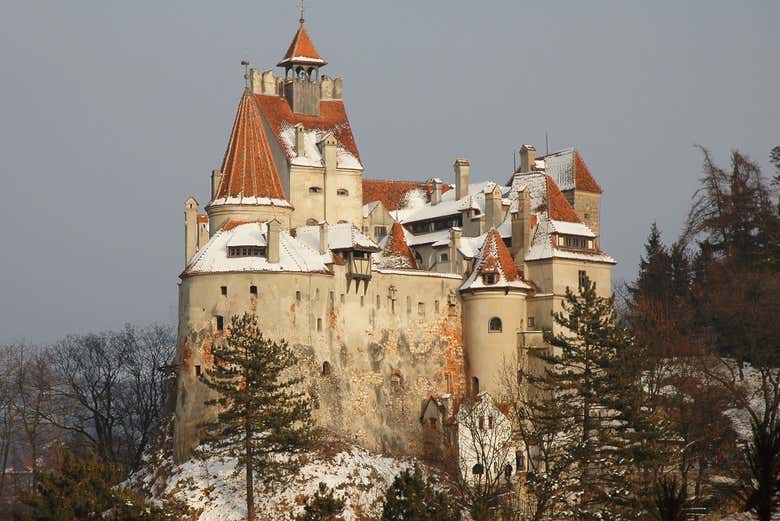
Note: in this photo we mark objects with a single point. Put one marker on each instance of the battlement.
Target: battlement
(323, 88)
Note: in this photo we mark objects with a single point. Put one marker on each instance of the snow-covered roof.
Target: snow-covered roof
(294, 255)
(543, 247)
(395, 250)
(370, 207)
(341, 236)
(494, 258)
(568, 170)
(568, 228)
(421, 210)
(312, 153)
(250, 200)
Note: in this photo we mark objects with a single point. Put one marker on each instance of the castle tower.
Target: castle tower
(494, 306)
(247, 187)
(302, 65)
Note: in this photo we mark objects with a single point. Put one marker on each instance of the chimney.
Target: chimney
(329, 145)
(190, 228)
(527, 158)
(494, 213)
(299, 147)
(272, 249)
(462, 168)
(436, 193)
(521, 228)
(216, 180)
(455, 264)
(323, 237)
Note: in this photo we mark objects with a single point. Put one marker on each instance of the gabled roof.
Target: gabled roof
(392, 194)
(332, 118)
(396, 253)
(569, 171)
(248, 169)
(494, 257)
(341, 236)
(301, 51)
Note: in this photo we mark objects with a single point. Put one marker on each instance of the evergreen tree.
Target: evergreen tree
(760, 485)
(583, 375)
(83, 489)
(264, 417)
(670, 499)
(412, 498)
(323, 506)
(654, 269)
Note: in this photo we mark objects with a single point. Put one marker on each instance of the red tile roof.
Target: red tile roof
(391, 193)
(582, 178)
(558, 208)
(302, 50)
(203, 218)
(397, 247)
(496, 258)
(333, 117)
(249, 169)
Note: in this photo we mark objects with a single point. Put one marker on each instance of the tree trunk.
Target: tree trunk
(250, 486)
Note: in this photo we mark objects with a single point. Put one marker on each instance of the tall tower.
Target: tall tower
(302, 65)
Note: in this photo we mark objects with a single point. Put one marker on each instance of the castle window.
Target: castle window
(582, 277)
(246, 251)
(482, 423)
(197, 370)
(253, 290)
(587, 216)
(444, 257)
(380, 232)
(421, 308)
(332, 297)
(298, 296)
(319, 324)
(311, 222)
(436, 305)
(409, 305)
(494, 326)
(362, 301)
(326, 368)
(490, 278)
(343, 192)
(220, 323)
(575, 242)
(315, 190)
(343, 298)
(378, 301)
(531, 322)
(475, 385)
(223, 290)
(342, 221)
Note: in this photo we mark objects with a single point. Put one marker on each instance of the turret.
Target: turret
(302, 86)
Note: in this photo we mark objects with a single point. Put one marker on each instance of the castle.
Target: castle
(398, 297)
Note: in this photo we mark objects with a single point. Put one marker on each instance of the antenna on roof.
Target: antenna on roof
(546, 144)
(245, 63)
(301, 9)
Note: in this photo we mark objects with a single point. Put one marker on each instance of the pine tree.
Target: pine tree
(323, 506)
(264, 417)
(83, 489)
(583, 375)
(412, 498)
(654, 269)
(759, 488)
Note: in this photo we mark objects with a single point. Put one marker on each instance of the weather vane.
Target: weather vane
(300, 8)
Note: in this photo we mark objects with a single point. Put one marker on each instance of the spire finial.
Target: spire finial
(245, 63)
(301, 9)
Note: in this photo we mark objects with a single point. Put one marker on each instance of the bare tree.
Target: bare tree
(7, 411)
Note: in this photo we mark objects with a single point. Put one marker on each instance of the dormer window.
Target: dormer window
(342, 192)
(246, 251)
(490, 278)
(315, 189)
(575, 242)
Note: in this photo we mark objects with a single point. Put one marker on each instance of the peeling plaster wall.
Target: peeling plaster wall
(389, 349)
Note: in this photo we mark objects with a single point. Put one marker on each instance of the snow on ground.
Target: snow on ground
(210, 487)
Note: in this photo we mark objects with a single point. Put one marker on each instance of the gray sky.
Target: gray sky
(113, 112)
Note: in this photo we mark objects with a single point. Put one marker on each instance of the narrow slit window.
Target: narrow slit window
(319, 324)
(298, 296)
(197, 370)
(223, 290)
(253, 290)
(220, 323)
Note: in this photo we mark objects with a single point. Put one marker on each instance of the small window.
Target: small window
(342, 192)
(343, 298)
(342, 221)
(575, 242)
(490, 278)
(531, 322)
(421, 308)
(519, 377)
(495, 326)
(220, 323)
(490, 422)
(311, 222)
(582, 276)
(475, 385)
(223, 290)
(253, 290)
(380, 232)
(319, 324)
(482, 423)
(326, 368)
(315, 190)
(362, 301)
(519, 461)
(317, 294)
(444, 257)
(197, 370)
(409, 305)
(298, 296)
(332, 296)
(436, 305)
(378, 301)
(587, 216)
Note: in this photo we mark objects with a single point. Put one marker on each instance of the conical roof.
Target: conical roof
(302, 51)
(248, 169)
(495, 260)
(396, 253)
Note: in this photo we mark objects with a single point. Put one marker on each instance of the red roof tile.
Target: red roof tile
(397, 246)
(558, 208)
(249, 169)
(302, 50)
(582, 178)
(333, 117)
(496, 258)
(203, 218)
(391, 193)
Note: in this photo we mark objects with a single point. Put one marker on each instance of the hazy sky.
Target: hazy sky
(112, 113)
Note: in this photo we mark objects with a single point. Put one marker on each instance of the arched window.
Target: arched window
(311, 222)
(494, 326)
(342, 191)
(326, 368)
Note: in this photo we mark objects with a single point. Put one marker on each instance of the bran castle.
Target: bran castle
(398, 297)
